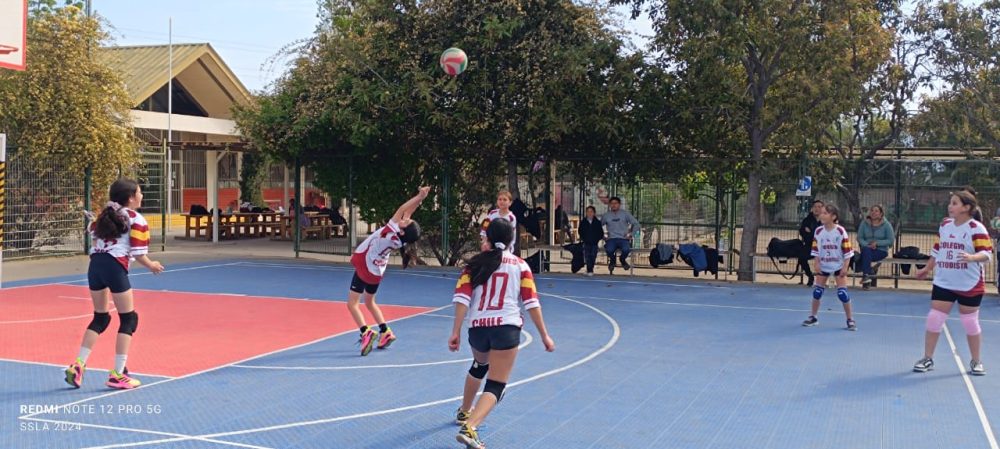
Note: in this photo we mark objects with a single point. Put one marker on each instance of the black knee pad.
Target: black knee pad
(100, 322)
(129, 322)
(478, 370)
(495, 388)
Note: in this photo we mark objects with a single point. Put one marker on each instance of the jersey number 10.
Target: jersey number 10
(492, 298)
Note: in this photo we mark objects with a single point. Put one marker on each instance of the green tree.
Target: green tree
(68, 111)
(964, 41)
(779, 66)
(545, 78)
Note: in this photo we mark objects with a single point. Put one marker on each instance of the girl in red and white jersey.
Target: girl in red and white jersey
(120, 234)
(962, 250)
(370, 259)
(832, 249)
(491, 290)
(504, 200)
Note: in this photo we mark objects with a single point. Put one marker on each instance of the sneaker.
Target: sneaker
(811, 321)
(386, 339)
(121, 381)
(367, 341)
(462, 416)
(976, 368)
(625, 265)
(924, 365)
(74, 374)
(611, 267)
(590, 274)
(468, 436)
(851, 325)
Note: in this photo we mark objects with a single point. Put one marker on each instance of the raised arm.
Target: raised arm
(406, 210)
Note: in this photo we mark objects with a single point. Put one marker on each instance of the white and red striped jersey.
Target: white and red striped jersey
(498, 301)
(963, 278)
(832, 247)
(134, 242)
(372, 255)
(493, 215)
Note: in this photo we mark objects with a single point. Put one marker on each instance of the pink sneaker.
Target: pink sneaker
(368, 338)
(386, 339)
(74, 374)
(121, 381)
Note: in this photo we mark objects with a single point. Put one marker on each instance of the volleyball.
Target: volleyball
(453, 61)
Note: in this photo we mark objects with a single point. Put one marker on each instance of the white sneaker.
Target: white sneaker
(591, 274)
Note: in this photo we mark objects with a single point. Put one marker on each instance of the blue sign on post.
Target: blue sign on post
(805, 187)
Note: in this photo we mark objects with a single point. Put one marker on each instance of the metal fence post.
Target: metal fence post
(88, 185)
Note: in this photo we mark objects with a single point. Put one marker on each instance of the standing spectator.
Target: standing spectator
(875, 237)
(591, 233)
(621, 225)
(807, 230)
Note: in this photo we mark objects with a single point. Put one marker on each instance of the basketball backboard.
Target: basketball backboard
(13, 33)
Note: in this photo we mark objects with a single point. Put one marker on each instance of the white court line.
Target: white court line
(455, 273)
(268, 297)
(177, 436)
(145, 273)
(147, 386)
(616, 334)
(527, 341)
(774, 309)
(55, 365)
(438, 315)
(74, 297)
(64, 318)
(972, 392)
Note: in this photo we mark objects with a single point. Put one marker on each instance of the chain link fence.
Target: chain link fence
(45, 203)
(44, 208)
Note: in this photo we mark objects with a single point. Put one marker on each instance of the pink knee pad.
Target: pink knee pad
(971, 323)
(935, 320)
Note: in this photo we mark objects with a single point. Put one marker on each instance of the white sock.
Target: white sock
(120, 363)
(84, 353)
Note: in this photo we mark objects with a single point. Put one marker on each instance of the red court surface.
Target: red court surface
(178, 333)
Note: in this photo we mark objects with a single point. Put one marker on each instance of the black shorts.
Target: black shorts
(826, 275)
(943, 294)
(360, 286)
(106, 272)
(483, 339)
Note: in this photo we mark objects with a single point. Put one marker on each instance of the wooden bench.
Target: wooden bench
(601, 256)
(896, 269)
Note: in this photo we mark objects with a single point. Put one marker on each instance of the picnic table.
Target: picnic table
(233, 225)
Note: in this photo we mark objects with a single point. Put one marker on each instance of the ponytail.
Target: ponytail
(483, 265)
(111, 224)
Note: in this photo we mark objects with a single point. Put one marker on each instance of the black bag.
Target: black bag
(198, 209)
(538, 263)
(783, 250)
(909, 252)
(576, 249)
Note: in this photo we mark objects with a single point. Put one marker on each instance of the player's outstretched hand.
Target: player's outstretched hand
(424, 191)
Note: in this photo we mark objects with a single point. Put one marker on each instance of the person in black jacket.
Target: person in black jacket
(591, 233)
(807, 229)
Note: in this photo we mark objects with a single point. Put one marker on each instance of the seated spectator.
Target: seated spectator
(875, 237)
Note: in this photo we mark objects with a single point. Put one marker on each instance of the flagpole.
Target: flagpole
(170, 111)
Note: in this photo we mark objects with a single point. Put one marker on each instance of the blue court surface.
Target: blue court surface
(639, 364)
